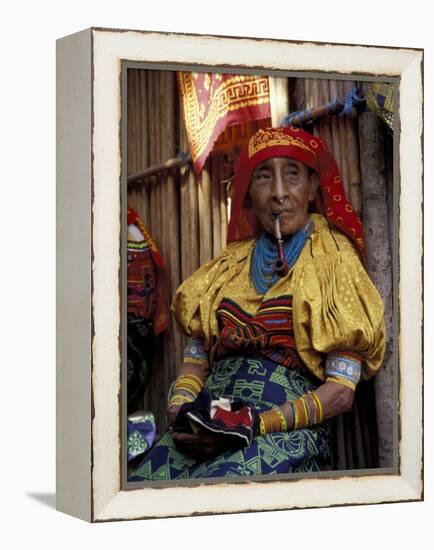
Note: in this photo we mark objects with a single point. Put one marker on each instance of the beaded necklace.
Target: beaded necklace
(265, 253)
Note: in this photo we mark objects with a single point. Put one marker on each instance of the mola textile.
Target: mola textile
(212, 102)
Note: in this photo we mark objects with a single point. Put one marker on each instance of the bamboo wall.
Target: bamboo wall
(187, 218)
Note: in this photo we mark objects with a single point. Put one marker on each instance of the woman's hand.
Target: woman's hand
(172, 413)
(200, 446)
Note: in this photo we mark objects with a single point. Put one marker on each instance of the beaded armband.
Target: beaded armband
(195, 353)
(343, 368)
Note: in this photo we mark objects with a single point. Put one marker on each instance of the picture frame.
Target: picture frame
(90, 172)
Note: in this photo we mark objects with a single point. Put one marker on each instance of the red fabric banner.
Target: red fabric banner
(212, 102)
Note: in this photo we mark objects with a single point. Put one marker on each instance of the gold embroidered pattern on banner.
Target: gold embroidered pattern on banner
(273, 138)
(232, 94)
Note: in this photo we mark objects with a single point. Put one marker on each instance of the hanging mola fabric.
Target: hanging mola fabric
(147, 307)
(213, 102)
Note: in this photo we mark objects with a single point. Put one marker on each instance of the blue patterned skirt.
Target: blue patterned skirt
(262, 384)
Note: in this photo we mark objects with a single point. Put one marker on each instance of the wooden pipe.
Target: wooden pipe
(280, 266)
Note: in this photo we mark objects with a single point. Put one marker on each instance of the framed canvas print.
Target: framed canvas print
(239, 275)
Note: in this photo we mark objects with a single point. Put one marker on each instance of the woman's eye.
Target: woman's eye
(262, 176)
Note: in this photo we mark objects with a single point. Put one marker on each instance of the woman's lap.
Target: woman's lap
(277, 453)
(262, 385)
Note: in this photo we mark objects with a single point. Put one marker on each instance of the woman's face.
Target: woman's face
(283, 186)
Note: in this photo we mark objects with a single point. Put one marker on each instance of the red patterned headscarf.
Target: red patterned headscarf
(295, 143)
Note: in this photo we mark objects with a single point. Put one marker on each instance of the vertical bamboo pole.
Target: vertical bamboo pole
(132, 76)
(366, 435)
(307, 93)
(171, 218)
(138, 120)
(158, 156)
(185, 253)
(343, 143)
(215, 191)
(348, 441)
(166, 351)
(299, 94)
(324, 123)
(223, 201)
(341, 458)
(194, 224)
(315, 102)
(150, 108)
(153, 399)
(379, 266)
(336, 148)
(353, 157)
(144, 129)
(360, 459)
(205, 215)
(279, 99)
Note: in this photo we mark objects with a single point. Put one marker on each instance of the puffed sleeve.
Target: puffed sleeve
(337, 308)
(195, 302)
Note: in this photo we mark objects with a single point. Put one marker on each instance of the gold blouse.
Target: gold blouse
(336, 307)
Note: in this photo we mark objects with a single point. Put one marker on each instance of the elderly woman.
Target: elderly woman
(282, 325)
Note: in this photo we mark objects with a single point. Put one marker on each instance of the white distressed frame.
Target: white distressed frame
(93, 490)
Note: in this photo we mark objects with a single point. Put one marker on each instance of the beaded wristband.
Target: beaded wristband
(302, 416)
(185, 390)
(318, 405)
(179, 399)
(272, 421)
(190, 383)
(283, 423)
(305, 410)
(293, 414)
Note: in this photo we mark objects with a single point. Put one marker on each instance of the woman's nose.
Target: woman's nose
(278, 191)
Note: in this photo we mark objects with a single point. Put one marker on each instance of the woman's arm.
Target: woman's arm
(334, 397)
(192, 375)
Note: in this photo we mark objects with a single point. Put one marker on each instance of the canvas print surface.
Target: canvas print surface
(259, 276)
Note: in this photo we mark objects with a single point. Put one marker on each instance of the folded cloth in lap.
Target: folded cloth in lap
(232, 419)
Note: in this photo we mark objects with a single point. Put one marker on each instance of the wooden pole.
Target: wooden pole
(341, 458)
(360, 459)
(348, 440)
(345, 176)
(279, 99)
(169, 165)
(215, 192)
(171, 218)
(185, 214)
(336, 148)
(324, 122)
(299, 94)
(194, 225)
(152, 397)
(223, 201)
(315, 102)
(138, 119)
(205, 215)
(131, 117)
(153, 213)
(144, 129)
(379, 266)
(355, 194)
